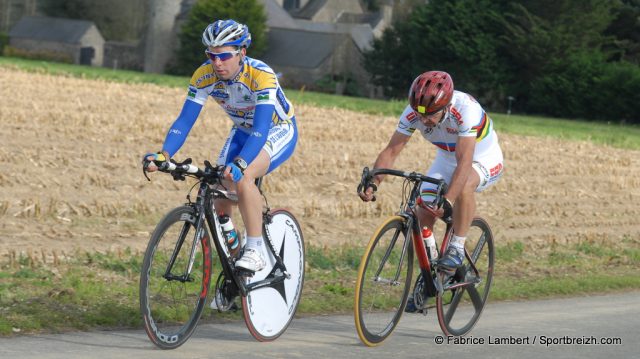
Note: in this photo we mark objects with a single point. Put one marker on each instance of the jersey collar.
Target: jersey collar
(236, 78)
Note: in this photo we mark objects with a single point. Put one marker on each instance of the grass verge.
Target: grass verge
(611, 134)
(93, 290)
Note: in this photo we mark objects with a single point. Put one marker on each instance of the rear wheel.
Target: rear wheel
(384, 280)
(459, 308)
(268, 310)
(173, 295)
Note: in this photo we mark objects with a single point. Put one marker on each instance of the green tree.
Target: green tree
(203, 13)
(119, 20)
(541, 40)
(626, 30)
(457, 36)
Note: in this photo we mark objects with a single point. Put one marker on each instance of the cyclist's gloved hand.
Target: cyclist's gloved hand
(234, 171)
(151, 161)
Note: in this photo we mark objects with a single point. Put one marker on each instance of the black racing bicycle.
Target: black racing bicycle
(386, 269)
(178, 266)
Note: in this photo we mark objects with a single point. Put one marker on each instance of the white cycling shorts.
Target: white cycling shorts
(488, 167)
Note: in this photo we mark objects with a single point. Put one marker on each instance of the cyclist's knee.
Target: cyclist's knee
(246, 183)
(472, 183)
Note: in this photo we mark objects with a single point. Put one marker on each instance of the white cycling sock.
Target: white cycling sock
(255, 243)
(458, 243)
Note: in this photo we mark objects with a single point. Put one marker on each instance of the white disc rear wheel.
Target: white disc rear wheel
(269, 310)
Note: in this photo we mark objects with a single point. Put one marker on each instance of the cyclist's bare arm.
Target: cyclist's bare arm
(386, 159)
(388, 155)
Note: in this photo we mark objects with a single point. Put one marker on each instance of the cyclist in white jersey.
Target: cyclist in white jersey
(468, 157)
(264, 133)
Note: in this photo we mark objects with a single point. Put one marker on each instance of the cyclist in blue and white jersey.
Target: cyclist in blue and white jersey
(264, 132)
(468, 158)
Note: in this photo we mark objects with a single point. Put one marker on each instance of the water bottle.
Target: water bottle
(230, 234)
(430, 241)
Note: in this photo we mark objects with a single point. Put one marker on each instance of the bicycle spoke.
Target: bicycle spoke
(476, 300)
(453, 305)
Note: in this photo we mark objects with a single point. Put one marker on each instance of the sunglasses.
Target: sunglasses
(222, 56)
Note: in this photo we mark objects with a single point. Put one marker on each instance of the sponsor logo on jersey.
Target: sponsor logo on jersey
(202, 78)
(240, 114)
(283, 101)
(412, 116)
(452, 131)
(192, 92)
(220, 94)
(428, 130)
(263, 96)
(457, 115)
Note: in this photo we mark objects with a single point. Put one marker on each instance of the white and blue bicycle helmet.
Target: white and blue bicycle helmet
(226, 33)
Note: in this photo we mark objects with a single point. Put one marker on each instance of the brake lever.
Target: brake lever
(144, 170)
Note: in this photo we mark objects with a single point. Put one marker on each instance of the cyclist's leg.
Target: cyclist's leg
(249, 199)
(230, 150)
(280, 144)
(464, 208)
(441, 168)
(487, 170)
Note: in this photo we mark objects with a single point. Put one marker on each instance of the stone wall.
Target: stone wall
(123, 55)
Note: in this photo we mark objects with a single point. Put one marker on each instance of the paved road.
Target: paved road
(547, 322)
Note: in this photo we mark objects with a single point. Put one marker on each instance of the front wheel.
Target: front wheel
(384, 280)
(175, 278)
(460, 306)
(268, 310)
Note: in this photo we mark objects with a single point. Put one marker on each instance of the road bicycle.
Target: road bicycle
(178, 265)
(386, 269)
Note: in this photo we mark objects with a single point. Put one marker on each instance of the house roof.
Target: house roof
(368, 18)
(309, 10)
(362, 34)
(285, 45)
(277, 16)
(51, 29)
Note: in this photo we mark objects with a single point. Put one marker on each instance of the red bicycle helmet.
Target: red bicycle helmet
(430, 92)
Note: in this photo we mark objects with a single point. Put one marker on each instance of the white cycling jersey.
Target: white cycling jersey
(464, 117)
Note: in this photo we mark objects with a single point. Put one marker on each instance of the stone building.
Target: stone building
(80, 40)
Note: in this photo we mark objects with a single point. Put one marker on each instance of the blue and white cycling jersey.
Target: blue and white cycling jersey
(262, 115)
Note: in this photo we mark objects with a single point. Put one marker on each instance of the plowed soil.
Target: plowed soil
(71, 179)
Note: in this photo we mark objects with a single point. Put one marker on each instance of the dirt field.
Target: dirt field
(71, 180)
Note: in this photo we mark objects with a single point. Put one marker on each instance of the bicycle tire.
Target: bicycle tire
(459, 309)
(268, 311)
(376, 313)
(169, 320)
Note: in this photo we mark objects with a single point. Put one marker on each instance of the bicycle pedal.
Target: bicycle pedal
(241, 272)
(449, 272)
